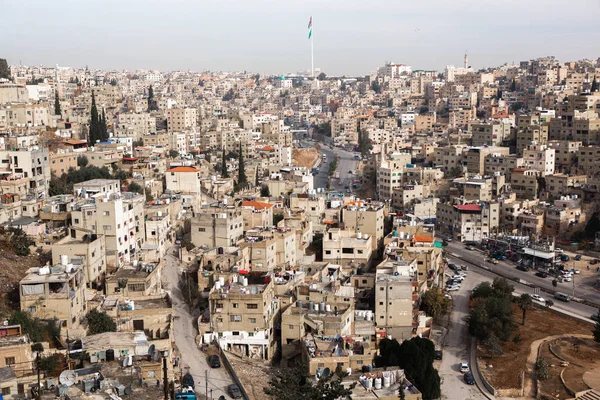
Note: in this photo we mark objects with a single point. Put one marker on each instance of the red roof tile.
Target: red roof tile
(422, 239)
(257, 205)
(468, 207)
(183, 169)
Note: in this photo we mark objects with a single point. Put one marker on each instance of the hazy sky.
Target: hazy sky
(270, 36)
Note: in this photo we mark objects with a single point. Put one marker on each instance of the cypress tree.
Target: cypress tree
(103, 128)
(94, 123)
(594, 85)
(150, 98)
(242, 181)
(224, 173)
(56, 104)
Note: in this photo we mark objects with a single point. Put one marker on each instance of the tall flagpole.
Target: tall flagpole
(312, 53)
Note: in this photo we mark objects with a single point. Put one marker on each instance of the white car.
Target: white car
(453, 288)
(567, 279)
(537, 297)
(458, 278)
(448, 296)
(461, 274)
(464, 368)
(575, 271)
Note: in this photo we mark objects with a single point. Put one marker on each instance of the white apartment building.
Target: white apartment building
(118, 216)
(540, 158)
(25, 171)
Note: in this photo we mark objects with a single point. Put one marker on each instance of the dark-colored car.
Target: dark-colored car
(234, 391)
(522, 267)
(214, 361)
(438, 354)
(595, 317)
(594, 261)
(578, 257)
(453, 267)
(469, 380)
(541, 274)
(565, 258)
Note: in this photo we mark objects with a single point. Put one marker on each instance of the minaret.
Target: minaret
(466, 60)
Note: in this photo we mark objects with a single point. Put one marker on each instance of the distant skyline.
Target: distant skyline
(351, 37)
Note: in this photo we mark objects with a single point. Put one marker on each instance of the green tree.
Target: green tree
(264, 191)
(293, 384)
(4, 69)
(541, 369)
(82, 161)
(376, 87)
(549, 303)
(525, 303)
(401, 394)
(322, 76)
(596, 331)
(435, 304)
(492, 310)
(134, 187)
(513, 86)
(173, 153)
(224, 172)
(277, 218)
(29, 325)
(492, 343)
(94, 134)
(103, 128)
(242, 181)
(364, 143)
(150, 98)
(19, 240)
(595, 85)
(416, 357)
(56, 104)
(100, 322)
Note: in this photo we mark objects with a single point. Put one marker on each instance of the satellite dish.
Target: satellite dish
(68, 378)
(156, 355)
(129, 359)
(151, 350)
(326, 372)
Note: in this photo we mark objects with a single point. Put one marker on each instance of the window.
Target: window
(136, 287)
(219, 305)
(252, 306)
(235, 318)
(250, 334)
(107, 227)
(9, 361)
(235, 305)
(5, 391)
(106, 213)
(348, 250)
(252, 320)
(201, 230)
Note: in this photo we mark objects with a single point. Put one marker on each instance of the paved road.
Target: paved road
(346, 163)
(478, 274)
(455, 346)
(582, 291)
(193, 360)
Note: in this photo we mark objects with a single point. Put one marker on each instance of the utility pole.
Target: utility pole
(165, 378)
(206, 382)
(39, 383)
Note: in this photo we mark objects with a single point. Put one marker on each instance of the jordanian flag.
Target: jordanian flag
(310, 28)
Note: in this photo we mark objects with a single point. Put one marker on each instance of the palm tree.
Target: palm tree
(525, 303)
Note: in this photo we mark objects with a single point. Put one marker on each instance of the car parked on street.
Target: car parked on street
(438, 354)
(464, 368)
(492, 260)
(522, 267)
(594, 261)
(214, 361)
(537, 297)
(578, 257)
(541, 274)
(453, 288)
(469, 247)
(469, 379)
(234, 391)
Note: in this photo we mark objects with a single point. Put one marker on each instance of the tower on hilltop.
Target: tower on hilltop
(466, 60)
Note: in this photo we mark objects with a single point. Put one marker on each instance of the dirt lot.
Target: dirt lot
(582, 354)
(254, 376)
(540, 323)
(305, 157)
